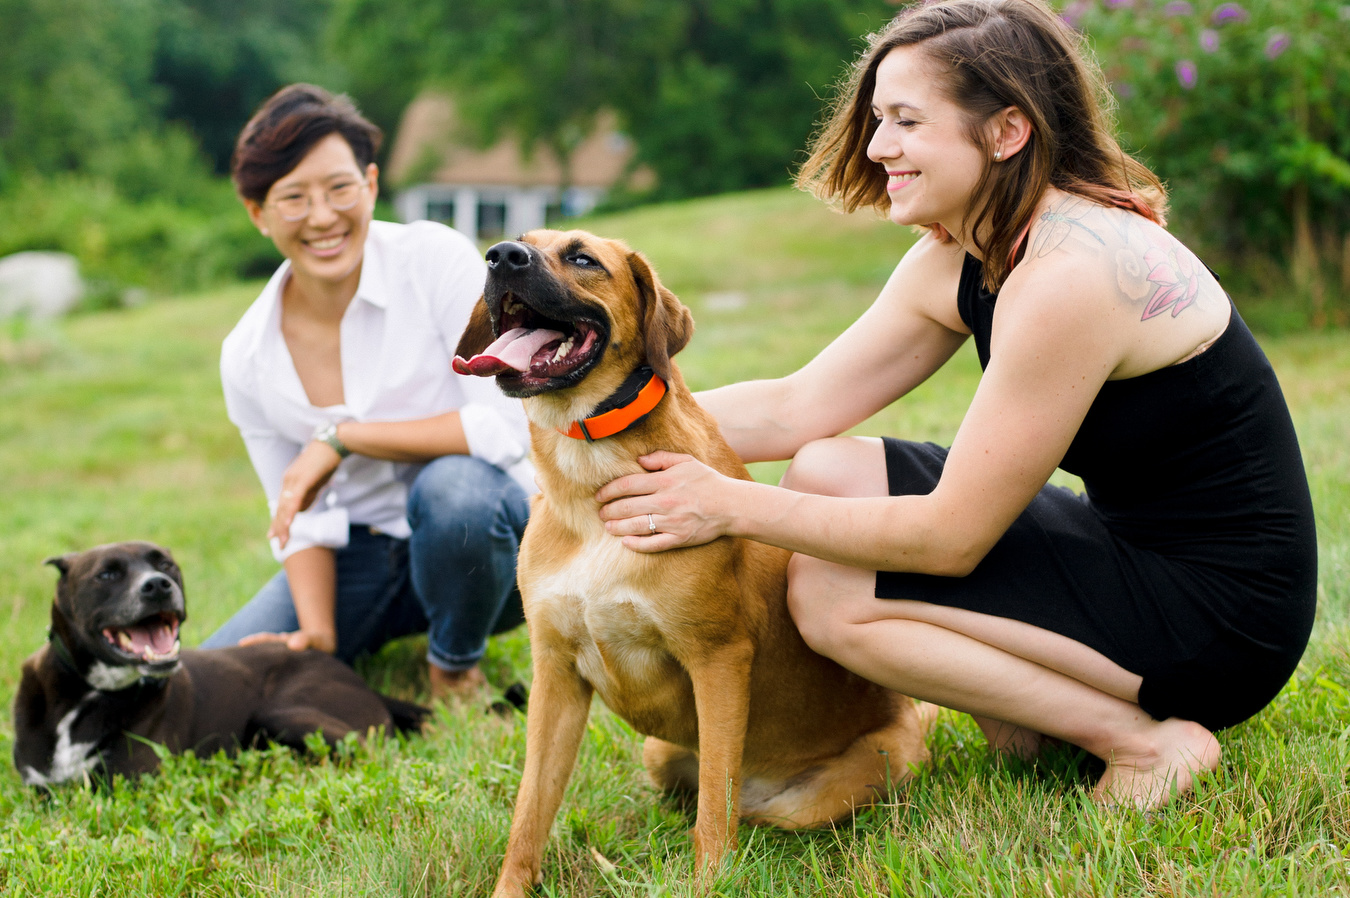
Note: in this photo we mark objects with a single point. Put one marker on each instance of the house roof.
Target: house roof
(426, 150)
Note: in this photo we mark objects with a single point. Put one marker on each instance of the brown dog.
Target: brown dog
(693, 647)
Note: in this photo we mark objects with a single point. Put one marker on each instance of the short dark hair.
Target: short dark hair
(287, 126)
(988, 55)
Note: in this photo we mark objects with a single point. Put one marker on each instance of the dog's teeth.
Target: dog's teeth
(124, 639)
(563, 349)
(149, 654)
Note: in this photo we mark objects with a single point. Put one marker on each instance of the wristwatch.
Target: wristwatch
(327, 433)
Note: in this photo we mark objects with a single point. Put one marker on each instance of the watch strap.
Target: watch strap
(328, 434)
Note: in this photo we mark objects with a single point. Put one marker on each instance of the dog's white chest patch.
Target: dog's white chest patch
(116, 677)
(70, 760)
(112, 677)
(601, 602)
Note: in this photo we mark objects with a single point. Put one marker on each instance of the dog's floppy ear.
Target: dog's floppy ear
(60, 562)
(666, 322)
(477, 334)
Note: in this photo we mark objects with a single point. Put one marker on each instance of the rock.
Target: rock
(39, 285)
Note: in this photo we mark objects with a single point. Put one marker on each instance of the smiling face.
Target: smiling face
(549, 324)
(923, 142)
(326, 246)
(570, 315)
(121, 605)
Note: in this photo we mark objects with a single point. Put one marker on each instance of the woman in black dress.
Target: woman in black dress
(1171, 600)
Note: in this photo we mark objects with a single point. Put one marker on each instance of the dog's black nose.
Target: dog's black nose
(156, 587)
(514, 256)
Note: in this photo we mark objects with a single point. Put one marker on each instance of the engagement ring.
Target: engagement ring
(651, 524)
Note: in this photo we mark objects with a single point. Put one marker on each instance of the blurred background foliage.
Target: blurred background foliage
(117, 117)
(1244, 109)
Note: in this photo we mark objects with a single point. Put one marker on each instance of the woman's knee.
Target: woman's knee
(808, 602)
(456, 488)
(838, 466)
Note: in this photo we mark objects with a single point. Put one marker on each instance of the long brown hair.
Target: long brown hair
(991, 54)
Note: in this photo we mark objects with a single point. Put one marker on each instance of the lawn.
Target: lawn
(112, 427)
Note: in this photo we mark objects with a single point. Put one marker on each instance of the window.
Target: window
(441, 210)
(491, 220)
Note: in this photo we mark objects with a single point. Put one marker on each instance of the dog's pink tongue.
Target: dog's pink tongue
(157, 636)
(511, 351)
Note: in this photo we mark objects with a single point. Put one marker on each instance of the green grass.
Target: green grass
(113, 428)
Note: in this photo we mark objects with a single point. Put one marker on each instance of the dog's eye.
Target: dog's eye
(582, 260)
(108, 574)
(164, 565)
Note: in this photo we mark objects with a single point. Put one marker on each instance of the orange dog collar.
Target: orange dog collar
(606, 424)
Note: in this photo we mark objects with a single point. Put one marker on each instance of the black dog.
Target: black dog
(111, 680)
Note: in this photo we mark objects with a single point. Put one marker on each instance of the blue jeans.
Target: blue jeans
(454, 578)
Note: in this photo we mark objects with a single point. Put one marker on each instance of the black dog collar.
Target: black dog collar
(66, 661)
(639, 393)
(63, 656)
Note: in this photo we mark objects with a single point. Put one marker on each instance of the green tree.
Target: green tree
(89, 166)
(1243, 108)
(216, 60)
(75, 79)
(717, 94)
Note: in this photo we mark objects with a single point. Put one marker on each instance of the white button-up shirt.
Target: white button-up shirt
(397, 338)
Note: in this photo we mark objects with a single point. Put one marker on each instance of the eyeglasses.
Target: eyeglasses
(295, 204)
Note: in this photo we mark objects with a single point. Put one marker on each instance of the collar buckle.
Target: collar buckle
(620, 416)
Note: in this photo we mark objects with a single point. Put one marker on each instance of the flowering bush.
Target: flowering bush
(1243, 108)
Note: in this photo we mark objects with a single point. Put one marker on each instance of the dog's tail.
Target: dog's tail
(407, 716)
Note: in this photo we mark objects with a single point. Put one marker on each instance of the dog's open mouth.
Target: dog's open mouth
(534, 350)
(153, 639)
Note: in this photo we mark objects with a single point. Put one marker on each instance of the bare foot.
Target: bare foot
(1014, 741)
(463, 685)
(1147, 779)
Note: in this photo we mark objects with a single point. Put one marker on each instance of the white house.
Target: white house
(496, 191)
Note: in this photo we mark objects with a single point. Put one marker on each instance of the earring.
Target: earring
(998, 155)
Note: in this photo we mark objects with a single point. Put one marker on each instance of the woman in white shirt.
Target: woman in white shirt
(398, 489)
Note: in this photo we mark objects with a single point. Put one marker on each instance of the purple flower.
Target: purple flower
(1276, 44)
(1228, 12)
(1186, 74)
(1209, 40)
(1178, 8)
(1119, 4)
(1074, 12)
(1123, 89)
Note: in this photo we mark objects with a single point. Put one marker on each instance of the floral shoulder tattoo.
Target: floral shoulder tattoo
(1153, 269)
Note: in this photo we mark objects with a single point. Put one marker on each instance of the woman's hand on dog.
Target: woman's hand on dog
(301, 483)
(680, 495)
(296, 640)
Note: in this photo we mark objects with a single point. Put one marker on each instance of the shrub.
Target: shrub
(1243, 108)
(155, 242)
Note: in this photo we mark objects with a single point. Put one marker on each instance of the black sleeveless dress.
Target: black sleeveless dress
(1192, 558)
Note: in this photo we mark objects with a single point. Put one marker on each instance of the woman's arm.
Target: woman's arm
(1056, 343)
(312, 576)
(403, 441)
(908, 333)
(406, 441)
